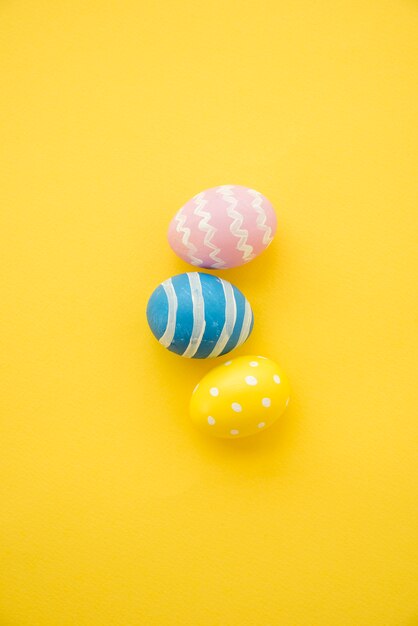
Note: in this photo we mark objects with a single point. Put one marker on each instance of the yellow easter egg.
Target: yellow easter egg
(241, 397)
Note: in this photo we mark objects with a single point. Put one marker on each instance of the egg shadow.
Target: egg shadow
(260, 273)
(259, 455)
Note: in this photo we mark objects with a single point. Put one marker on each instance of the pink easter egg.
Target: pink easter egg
(223, 227)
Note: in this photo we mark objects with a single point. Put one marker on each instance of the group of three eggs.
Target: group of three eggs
(199, 315)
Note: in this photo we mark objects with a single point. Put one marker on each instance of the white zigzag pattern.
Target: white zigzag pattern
(235, 228)
(261, 217)
(208, 229)
(181, 228)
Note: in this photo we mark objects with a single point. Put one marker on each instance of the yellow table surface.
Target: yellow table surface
(115, 511)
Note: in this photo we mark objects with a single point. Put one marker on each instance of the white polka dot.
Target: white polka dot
(266, 402)
(287, 402)
(253, 364)
(211, 420)
(228, 363)
(251, 380)
(234, 432)
(236, 407)
(276, 379)
(261, 425)
(214, 391)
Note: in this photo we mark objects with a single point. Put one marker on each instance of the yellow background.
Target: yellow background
(115, 511)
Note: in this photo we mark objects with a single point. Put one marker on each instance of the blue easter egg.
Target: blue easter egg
(199, 315)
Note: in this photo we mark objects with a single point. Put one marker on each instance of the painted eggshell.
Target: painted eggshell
(240, 397)
(223, 227)
(199, 315)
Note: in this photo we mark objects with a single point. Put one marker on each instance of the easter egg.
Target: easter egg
(223, 227)
(199, 315)
(240, 397)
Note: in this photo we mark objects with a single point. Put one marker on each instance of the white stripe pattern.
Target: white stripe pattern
(181, 218)
(199, 322)
(261, 216)
(208, 229)
(230, 319)
(168, 336)
(246, 324)
(238, 218)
